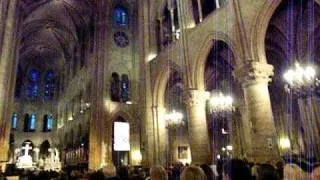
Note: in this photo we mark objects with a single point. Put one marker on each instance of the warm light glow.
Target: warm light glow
(285, 143)
(223, 131)
(229, 148)
(299, 76)
(223, 149)
(136, 156)
(128, 102)
(174, 119)
(151, 56)
(220, 103)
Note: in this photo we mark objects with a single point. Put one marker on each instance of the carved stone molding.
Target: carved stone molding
(195, 97)
(254, 72)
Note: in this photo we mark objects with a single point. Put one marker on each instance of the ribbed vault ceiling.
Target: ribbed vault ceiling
(52, 30)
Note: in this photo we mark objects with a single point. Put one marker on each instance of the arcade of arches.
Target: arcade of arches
(96, 79)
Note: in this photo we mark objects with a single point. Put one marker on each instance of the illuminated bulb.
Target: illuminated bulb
(223, 149)
(285, 143)
(229, 148)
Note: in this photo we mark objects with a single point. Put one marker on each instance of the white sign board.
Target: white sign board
(121, 136)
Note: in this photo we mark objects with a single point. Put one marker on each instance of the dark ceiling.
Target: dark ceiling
(52, 31)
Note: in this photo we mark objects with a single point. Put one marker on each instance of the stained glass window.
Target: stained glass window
(120, 16)
(48, 122)
(49, 85)
(124, 88)
(32, 122)
(14, 121)
(32, 89)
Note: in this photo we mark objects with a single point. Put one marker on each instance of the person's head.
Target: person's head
(266, 172)
(236, 169)
(293, 172)
(123, 172)
(109, 170)
(193, 172)
(208, 171)
(158, 173)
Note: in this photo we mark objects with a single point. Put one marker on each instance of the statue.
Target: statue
(25, 161)
(56, 156)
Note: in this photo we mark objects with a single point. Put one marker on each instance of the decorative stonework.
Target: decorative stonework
(195, 97)
(254, 72)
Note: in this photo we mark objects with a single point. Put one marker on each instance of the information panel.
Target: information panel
(121, 136)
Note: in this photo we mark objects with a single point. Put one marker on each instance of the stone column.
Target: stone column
(254, 78)
(197, 124)
(309, 124)
(200, 10)
(161, 32)
(8, 61)
(161, 135)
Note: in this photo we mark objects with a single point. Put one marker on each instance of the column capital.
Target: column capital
(195, 97)
(253, 72)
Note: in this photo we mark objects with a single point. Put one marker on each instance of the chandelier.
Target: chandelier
(174, 120)
(300, 80)
(220, 104)
(84, 106)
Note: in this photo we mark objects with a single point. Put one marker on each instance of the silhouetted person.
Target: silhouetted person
(236, 169)
(193, 172)
(208, 171)
(267, 172)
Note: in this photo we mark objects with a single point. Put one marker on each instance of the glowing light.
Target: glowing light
(229, 148)
(218, 156)
(219, 103)
(121, 136)
(285, 143)
(174, 119)
(151, 56)
(223, 149)
(300, 78)
(136, 156)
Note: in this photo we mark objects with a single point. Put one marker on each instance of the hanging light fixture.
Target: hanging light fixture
(301, 79)
(174, 120)
(220, 104)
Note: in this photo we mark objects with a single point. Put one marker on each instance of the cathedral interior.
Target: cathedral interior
(146, 82)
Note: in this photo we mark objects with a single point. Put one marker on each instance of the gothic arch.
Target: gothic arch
(161, 81)
(260, 26)
(198, 66)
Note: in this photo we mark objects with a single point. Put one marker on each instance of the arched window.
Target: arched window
(26, 123)
(115, 87)
(14, 120)
(49, 85)
(32, 122)
(120, 16)
(124, 88)
(47, 122)
(32, 89)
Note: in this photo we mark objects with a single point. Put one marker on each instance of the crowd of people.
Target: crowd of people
(233, 169)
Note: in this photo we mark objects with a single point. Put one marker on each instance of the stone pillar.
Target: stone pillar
(161, 32)
(197, 124)
(8, 41)
(254, 78)
(310, 128)
(200, 10)
(161, 135)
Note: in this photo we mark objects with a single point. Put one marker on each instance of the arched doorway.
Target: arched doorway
(44, 149)
(120, 142)
(223, 127)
